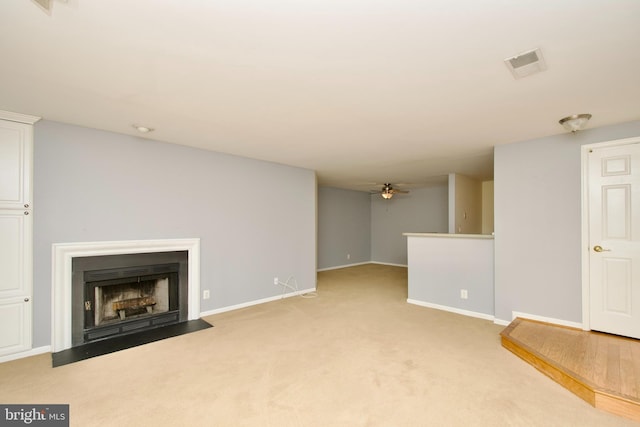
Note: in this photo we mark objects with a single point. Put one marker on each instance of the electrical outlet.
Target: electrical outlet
(464, 294)
(206, 294)
(348, 256)
(275, 281)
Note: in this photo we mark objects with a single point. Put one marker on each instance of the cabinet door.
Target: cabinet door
(16, 145)
(15, 253)
(15, 325)
(15, 281)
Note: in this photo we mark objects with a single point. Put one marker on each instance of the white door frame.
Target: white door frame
(586, 290)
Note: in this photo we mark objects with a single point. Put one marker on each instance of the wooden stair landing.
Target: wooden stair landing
(602, 369)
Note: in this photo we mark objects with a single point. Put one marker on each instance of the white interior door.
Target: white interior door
(614, 239)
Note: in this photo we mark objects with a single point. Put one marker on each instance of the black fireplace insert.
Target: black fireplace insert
(122, 300)
(117, 295)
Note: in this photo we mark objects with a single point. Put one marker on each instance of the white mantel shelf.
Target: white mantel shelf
(453, 236)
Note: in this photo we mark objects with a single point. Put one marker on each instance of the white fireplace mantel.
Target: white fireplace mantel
(63, 254)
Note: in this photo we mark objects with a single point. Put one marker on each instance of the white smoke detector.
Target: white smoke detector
(526, 63)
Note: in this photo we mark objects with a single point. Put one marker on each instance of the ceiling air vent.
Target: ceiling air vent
(45, 4)
(526, 63)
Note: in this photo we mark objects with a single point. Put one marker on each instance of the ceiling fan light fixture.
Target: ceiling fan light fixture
(575, 122)
(388, 191)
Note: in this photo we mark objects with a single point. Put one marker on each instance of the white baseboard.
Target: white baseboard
(560, 322)
(501, 322)
(451, 309)
(256, 302)
(344, 266)
(28, 353)
(389, 263)
(362, 263)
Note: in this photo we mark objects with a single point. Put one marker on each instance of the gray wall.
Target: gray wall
(91, 185)
(344, 227)
(440, 267)
(538, 223)
(422, 210)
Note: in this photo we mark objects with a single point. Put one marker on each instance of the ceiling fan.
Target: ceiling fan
(388, 191)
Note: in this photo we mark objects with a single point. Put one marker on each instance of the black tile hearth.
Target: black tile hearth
(98, 348)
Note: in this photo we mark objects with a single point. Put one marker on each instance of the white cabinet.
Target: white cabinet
(15, 252)
(15, 325)
(16, 228)
(15, 164)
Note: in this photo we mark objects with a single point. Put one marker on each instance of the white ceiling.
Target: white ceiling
(361, 91)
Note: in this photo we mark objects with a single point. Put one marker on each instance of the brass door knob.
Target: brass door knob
(599, 248)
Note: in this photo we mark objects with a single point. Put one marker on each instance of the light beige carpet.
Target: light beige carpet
(357, 355)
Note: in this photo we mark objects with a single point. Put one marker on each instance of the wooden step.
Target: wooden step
(602, 369)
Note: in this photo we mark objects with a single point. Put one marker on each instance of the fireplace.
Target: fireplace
(104, 290)
(121, 294)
